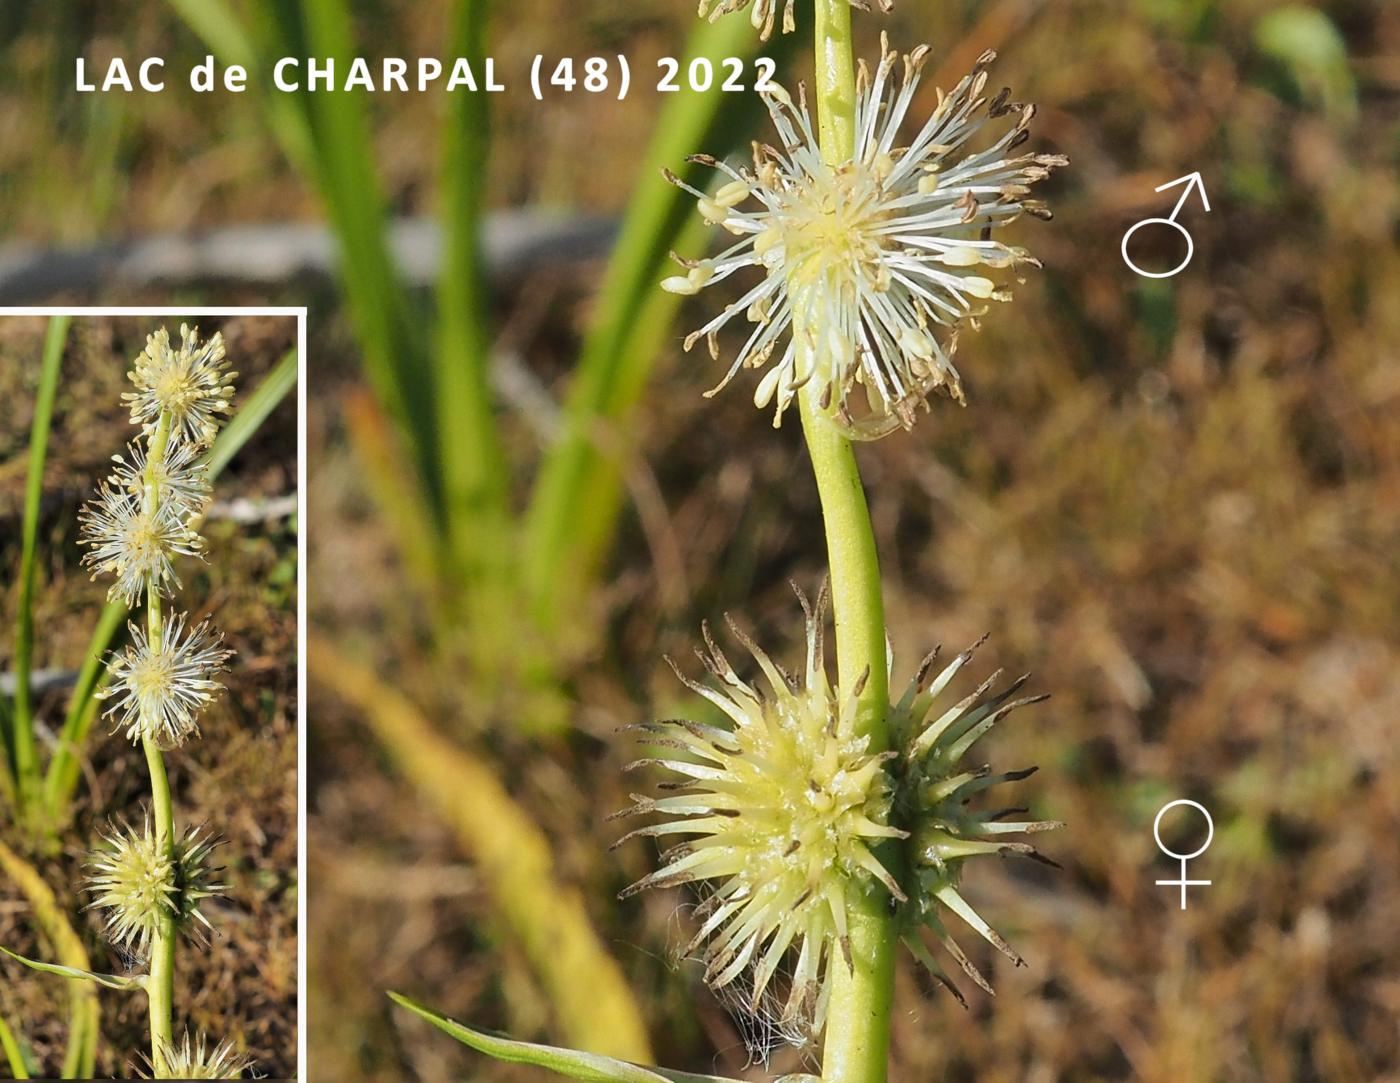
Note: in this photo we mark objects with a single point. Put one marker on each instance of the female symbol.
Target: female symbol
(1183, 883)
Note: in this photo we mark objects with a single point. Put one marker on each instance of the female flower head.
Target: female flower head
(783, 810)
(159, 687)
(870, 267)
(192, 384)
(935, 799)
(141, 882)
(765, 12)
(197, 1060)
(134, 543)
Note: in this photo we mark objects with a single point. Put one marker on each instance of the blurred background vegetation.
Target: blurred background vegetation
(238, 780)
(1175, 501)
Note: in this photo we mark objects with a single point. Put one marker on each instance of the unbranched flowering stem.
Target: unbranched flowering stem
(160, 989)
(858, 1020)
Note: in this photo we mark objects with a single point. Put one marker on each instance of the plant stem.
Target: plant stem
(160, 988)
(858, 1020)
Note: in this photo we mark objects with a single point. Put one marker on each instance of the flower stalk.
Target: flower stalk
(160, 988)
(856, 1044)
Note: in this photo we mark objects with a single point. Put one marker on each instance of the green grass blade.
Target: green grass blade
(107, 981)
(64, 769)
(573, 1063)
(26, 765)
(7, 750)
(14, 1055)
(222, 31)
(475, 488)
(576, 497)
(390, 332)
(252, 413)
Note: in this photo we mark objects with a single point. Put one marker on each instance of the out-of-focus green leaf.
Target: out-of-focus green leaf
(475, 478)
(574, 504)
(572, 1063)
(1313, 50)
(20, 1067)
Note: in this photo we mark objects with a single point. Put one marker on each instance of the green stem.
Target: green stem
(858, 1019)
(160, 987)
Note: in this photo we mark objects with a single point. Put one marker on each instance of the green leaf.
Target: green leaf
(252, 413)
(110, 981)
(475, 475)
(25, 764)
(1313, 50)
(14, 1053)
(577, 494)
(572, 1063)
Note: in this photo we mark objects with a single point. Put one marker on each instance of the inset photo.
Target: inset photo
(150, 591)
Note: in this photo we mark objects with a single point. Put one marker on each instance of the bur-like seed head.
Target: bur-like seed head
(871, 267)
(134, 544)
(181, 479)
(159, 687)
(779, 812)
(140, 882)
(195, 1060)
(191, 382)
(935, 800)
(765, 12)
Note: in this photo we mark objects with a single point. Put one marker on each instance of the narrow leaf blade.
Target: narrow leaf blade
(110, 981)
(14, 1052)
(572, 1063)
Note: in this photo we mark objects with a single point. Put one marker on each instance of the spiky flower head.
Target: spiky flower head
(195, 1060)
(934, 799)
(782, 810)
(192, 383)
(765, 12)
(140, 882)
(159, 687)
(133, 543)
(180, 477)
(870, 267)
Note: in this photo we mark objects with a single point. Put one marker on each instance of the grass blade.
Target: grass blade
(252, 413)
(475, 489)
(109, 981)
(26, 766)
(388, 328)
(574, 504)
(62, 778)
(14, 1055)
(83, 1013)
(573, 1063)
(585, 986)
